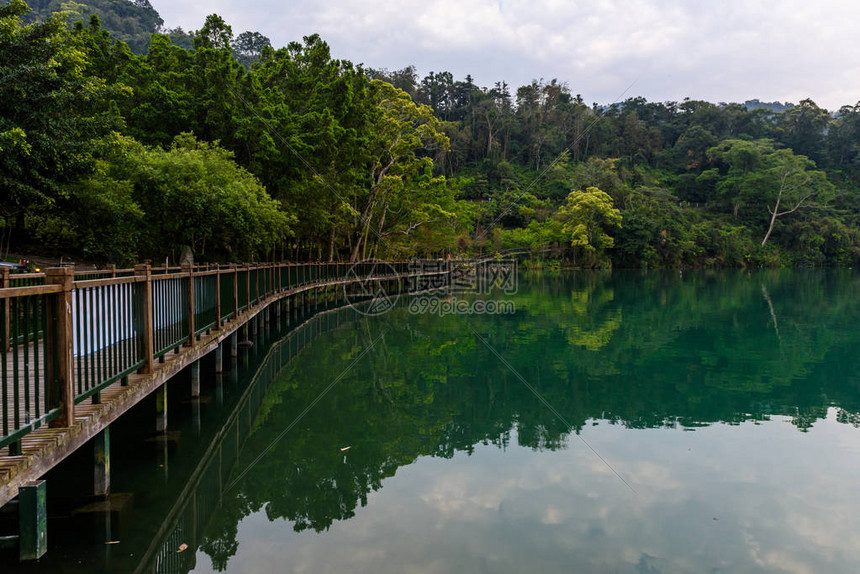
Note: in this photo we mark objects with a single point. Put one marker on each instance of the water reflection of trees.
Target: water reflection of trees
(640, 350)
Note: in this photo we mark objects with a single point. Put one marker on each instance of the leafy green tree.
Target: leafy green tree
(803, 128)
(656, 231)
(765, 177)
(399, 176)
(304, 132)
(588, 217)
(163, 103)
(49, 112)
(129, 21)
(194, 194)
(248, 48)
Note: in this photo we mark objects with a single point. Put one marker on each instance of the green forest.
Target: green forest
(122, 140)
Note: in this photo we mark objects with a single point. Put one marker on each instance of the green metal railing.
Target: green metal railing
(27, 389)
(205, 302)
(226, 295)
(107, 325)
(169, 313)
(242, 282)
(26, 279)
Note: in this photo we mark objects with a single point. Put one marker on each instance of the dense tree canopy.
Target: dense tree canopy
(363, 162)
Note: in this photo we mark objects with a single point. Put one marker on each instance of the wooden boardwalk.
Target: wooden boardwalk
(44, 447)
(27, 362)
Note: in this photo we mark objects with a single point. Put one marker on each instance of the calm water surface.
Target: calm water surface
(644, 422)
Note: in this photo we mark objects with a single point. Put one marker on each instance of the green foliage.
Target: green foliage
(50, 109)
(376, 163)
(196, 195)
(587, 219)
(129, 21)
(150, 202)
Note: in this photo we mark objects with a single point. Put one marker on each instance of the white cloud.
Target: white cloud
(726, 51)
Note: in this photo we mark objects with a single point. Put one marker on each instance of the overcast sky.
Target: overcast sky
(732, 50)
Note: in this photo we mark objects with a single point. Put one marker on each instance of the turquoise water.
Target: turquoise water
(613, 422)
(714, 429)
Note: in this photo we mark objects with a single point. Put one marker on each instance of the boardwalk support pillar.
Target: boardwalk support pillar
(195, 379)
(32, 520)
(234, 345)
(101, 456)
(219, 358)
(161, 409)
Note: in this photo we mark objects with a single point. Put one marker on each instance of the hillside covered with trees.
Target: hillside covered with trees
(243, 151)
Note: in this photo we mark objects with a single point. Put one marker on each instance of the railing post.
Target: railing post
(5, 281)
(235, 292)
(218, 296)
(248, 280)
(111, 268)
(189, 268)
(145, 306)
(61, 343)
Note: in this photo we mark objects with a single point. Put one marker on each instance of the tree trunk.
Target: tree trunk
(772, 220)
(775, 212)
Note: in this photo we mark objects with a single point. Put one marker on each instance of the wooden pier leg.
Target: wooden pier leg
(101, 468)
(32, 520)
(219, 358)
(195, 379)
(234, 345)
(219, 392)
(161, 409)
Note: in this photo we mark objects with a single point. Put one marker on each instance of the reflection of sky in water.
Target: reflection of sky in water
(748, 498)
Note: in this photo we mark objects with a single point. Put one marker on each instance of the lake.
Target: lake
(618, 422)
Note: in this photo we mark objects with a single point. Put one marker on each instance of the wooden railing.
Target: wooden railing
(66, 335)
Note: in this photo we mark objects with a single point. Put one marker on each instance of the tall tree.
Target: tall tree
(248, 48)
(588, 217)
(49, 112)
(763, 177)
(400, 177)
